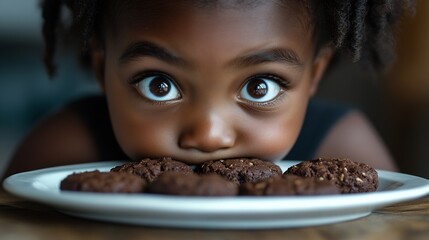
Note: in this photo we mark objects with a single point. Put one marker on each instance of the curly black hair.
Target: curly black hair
(364, 29)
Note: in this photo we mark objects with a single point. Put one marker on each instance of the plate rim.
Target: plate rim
(22, 184)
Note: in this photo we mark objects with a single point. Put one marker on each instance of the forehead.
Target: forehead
(133, 10)
(223, 28)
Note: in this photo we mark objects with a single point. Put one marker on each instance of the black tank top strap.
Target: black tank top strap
(94, 112)
(319, 119)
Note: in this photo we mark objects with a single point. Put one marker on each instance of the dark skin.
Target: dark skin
(199, 84)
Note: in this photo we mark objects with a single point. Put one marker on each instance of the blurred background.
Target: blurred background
(397, 104)
(26, 92)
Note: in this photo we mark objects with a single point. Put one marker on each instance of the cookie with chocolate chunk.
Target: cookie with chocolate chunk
(177, 183)
(103, 182)
(149, 169)
(241, 170)
(289, 185)
(347, 175)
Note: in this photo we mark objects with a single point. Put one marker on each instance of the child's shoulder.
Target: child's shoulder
(353, 136)
(337, 130)
(62, 137)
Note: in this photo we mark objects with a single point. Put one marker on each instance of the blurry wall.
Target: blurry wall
(27, 94)
(397, 104)
(407, 86)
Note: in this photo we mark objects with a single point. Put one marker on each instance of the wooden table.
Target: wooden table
(23, 219)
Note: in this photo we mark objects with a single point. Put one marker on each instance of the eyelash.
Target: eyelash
(139, 76)
(284, 83)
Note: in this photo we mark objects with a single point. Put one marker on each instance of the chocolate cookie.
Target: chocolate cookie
(289, 185)
(241, 170)
(105, 182)
(349, 176)
(150, 169)
(177, 183)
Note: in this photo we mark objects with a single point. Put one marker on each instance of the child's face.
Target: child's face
(202, 83)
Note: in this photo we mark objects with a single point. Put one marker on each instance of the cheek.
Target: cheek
(141, 133)
(273, 139)
(140, 137)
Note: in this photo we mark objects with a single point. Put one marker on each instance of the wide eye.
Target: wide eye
(260, 89)
(157, 87)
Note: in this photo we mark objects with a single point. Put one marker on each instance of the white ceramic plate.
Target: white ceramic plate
(211, 212)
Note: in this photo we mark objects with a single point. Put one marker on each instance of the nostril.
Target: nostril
(207, 141)
(208, 131)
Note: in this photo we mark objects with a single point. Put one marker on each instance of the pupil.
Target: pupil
(159, 87)
(257, 88)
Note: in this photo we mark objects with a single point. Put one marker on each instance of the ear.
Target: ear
(98, 64)
(320, 64)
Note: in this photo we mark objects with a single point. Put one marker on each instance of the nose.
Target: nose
(207, 134)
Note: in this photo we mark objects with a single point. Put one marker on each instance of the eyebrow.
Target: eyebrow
(148, 49)
(281, 55)
(145, 48)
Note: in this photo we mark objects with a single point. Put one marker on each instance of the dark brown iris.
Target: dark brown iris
(257, 88)
(159, 87)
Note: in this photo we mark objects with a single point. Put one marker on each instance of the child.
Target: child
(198, 80)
